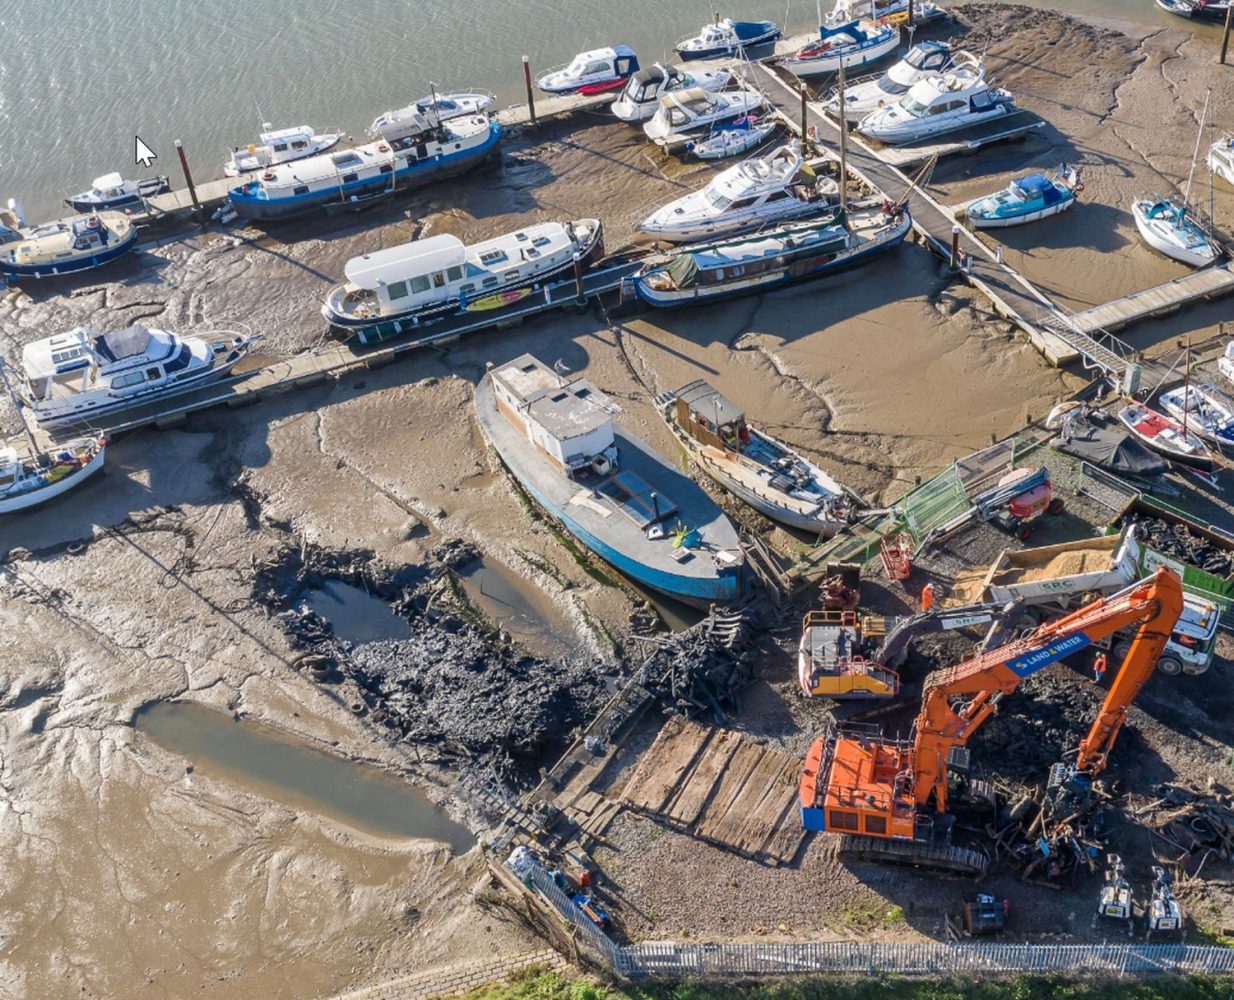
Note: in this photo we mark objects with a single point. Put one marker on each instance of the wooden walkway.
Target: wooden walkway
(717, 785)
(1209, 283)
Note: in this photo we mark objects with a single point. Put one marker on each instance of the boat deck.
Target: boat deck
(614, 514)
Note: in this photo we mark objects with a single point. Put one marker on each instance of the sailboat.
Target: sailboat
(1165, 224)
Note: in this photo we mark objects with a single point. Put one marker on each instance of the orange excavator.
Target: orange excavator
(890, 799)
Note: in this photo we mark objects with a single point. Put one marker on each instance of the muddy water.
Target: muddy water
(517, 606)
(277, 766)
(356, 616)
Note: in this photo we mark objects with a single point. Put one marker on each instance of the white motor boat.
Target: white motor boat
(33, 480)
(1168, 229)
(1204, 410)
(734, 138)
(853, 43)
(919, 62)
(942, 102)
(641, 97)
(1221, 158)
(81, 376)
(111, 192)
(892, 11)
(1225, 363)
(275, 146)
(592, 72)
(425, 114)
(760, 191)
(684, 114)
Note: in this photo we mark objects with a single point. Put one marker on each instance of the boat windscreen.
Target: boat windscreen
(683, 270)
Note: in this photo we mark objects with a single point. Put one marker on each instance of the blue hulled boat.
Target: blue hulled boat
(614, 494)
(727, 38)
(373, 170)
(1026, 199)
(79, 243)
(746, 265)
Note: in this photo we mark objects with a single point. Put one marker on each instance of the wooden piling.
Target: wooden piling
(188, 180)
(843, 142)
(955, 246)
(1225, 38)
(531, 97)
(805, 139)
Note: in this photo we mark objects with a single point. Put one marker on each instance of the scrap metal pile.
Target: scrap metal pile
(701, 671)
(1179, 542)
(1193, 827)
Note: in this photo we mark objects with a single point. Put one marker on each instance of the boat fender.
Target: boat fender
(93, 222)
(383, 148)
(269, 175)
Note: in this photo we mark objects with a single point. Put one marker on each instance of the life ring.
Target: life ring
(92, 222)
(383, 148)
(269, 175)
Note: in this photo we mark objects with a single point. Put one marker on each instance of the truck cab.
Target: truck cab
(1191, 645)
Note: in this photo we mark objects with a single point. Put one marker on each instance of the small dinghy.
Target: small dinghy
(275, 146)
(854, 43)
(1027, 199)
(111, 192)
(920, 61)
(766, 474)
(731, 140)
(1166, 437)
(1168, 229)
(641, 97)
(1221, 158)
(1203, 10)
(64, 246)
(684, 114)
(592, 72)
(1204, 409)
(727, 38)
(33, 480)
(1182, 8)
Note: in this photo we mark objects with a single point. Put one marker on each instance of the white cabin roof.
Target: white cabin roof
(565, 408)
(398, 263)
(108, 181)
(295, 132)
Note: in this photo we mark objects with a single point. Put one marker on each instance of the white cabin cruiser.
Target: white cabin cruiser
(28, 482)
(81, 376)
(641, 97)
(759, 191)
(1221, 158)
(592, 72)
(852, 44)
(275, 146)
(683, 114)
(892, 11)
(942, 102)
(426, 113)
(112, 192)
(1168, 229)
(919, 62)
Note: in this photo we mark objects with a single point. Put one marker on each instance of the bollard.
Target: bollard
(805, 138)
(955, 246)
(531, 97)
(188, 179)
(998, 253)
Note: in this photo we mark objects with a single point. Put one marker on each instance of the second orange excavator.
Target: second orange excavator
(890, 799)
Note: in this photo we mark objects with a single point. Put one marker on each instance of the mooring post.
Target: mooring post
(1225, 38)
(531, 97)
(805, 139)
(578, 279)
(843, 144)
(955, 246)
(188, 179)
(911, 22)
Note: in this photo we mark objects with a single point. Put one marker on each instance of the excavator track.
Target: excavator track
(964, 862)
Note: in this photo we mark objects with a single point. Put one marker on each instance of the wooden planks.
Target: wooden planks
(719, 786)
(1206, 283)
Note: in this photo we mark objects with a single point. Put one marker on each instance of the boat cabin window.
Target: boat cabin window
(280, 147)
(541, 241)
(491, 282)
(744, 202)
(468, 288)
(300, 189)
(939, 109)
(128, 379)
(677, 117)
(419, 283)
(778, 196)
(914, 107)
(511, 275)
(454, 273)
(299, 144)
(439, 279)
(718, 201)
(599, 66)
(396, 290)
(348, 178)
(181, 360)
(492, 257)
(153, 373)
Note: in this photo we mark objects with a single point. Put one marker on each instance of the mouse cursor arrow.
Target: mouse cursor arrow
(142, 153)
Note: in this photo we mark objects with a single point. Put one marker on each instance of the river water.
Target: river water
(79, 80)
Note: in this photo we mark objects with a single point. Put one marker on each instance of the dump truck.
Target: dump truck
(1055, 578)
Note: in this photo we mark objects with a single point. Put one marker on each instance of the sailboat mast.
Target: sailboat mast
(21, 410)
(1199, 138)
(1186, 389)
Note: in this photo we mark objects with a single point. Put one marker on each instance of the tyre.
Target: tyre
(1170, 666)
(1056, 507)
(1120, 651)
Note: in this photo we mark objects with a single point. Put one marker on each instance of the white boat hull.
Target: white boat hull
(898, 134)
(1219, 165)
(1042, 213)
(706, 229)
(803, 68)
(25, 501)
(1157, 234)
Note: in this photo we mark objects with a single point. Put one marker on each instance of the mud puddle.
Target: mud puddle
(516, 606)
(356, 615)
(280, 767)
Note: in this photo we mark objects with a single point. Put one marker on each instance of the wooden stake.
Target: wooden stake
(1225, 38)
(188, 179)
(843, 144)
(531, 97)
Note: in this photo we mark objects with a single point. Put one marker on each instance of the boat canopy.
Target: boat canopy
(108, 181)
(401, 262)
(708, 402)
(1037, 186)
(695, 99)
(124, 343)
(652, 74)
(682, 270)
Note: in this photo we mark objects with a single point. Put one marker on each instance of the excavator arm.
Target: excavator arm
(945, 721)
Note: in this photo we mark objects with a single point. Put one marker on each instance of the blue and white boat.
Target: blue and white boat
(1026, 199)
(373, 169)
(734, 138)
(854, 44)
(727, 38)
(1204, 410)
(623, 501)
(78, 243)
(747, 265)
(1168, 229)
(111, 192)
(594, 72)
